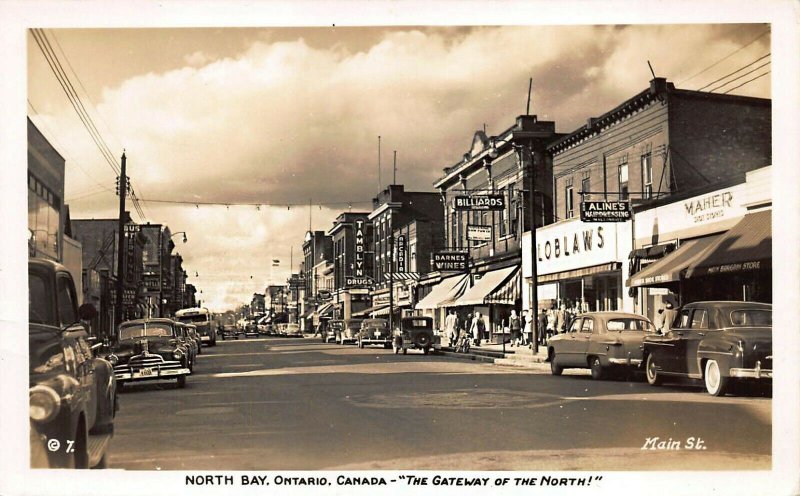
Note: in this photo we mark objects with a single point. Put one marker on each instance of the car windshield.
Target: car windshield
(354, 325)
(416, 323)
(193, 318)
(751, 317)
(623, 324)
(40, 308)
(151, 329)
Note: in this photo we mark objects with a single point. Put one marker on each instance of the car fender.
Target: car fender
(724, 351)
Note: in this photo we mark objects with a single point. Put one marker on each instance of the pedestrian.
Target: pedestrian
(477, 328)
(561, 316)
(450, 326)
(524, 321)
(541, 327)
(669, 317)
(551, 321)
(515, 326)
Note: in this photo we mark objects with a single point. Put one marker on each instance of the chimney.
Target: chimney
(526, 122)
(659, 85)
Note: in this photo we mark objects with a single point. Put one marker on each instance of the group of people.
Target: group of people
(473, 327)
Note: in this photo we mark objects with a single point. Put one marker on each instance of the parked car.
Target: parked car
(604, 342)
(415, 333)
(375, 331)
(229, 331)
(251, 331)
(264, 325)
(719, 342)
(73, 392)
(192, 329)
(183, 337)
(149, 350)
(290, 330)
(347, 330)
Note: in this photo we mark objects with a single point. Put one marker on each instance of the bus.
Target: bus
(202, 319)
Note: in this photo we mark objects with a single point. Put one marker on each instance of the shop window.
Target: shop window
(622, 179)
(647, 176)
(569, 206)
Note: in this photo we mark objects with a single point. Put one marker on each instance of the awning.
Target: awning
(402, 276)
(444, 290)
(368, 311)
(746, 246)
(669, 268)
(509, 292)
(325, 309)
(582, 272)
(486, 285)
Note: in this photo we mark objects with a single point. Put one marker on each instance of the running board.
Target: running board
(97, 447)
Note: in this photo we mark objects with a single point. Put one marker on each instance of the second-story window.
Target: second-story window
(585, 188)
(569, 202)
(647, 176)
(622, 179)
(502, 220)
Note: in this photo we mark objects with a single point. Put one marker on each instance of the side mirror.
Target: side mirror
(87, 311)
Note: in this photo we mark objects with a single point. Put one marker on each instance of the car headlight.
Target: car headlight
(112, 359)
(177, 354)
(44, 403)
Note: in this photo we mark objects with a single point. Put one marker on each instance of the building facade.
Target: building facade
(353, 259)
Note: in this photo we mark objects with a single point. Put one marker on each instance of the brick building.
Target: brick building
(352, 261)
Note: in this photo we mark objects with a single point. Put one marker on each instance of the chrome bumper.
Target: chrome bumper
(205, 338)
(754, 373)
(138, 375)
(625, 361)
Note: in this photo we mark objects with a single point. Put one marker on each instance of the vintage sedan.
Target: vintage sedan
(192, 330)
(346, 331)
(718, 342)
(229, 331)
(149, 350)
(415, 333)
(600, 341)
(183, 337)
(375, 331)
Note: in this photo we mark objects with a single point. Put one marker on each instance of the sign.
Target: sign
(359, 228)
(479, 233)
(296, 282)
(605, 211)
(480, 202)
(400, 242)
(352, 281)
(132, 228)
(573, 244)
(150, 282)
(324, 295)
(450, 261)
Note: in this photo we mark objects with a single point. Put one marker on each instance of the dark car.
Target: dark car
(346, 331)
(149, 350)
(73, 392)
(718, 342)
(192, 330)
(416, 333)
(229, 331)
(375, 331)
(183, 336)
(601, 341)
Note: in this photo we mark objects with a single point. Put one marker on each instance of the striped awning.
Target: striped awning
(403, 276)
(373, 310)
(509, 292)
(485, 286)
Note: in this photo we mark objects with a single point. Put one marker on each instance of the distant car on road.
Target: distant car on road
(604, 342)
(346, 331)
(719, 342)
(415, 333)
(375, 331)
(192, 330)
(183, 337)
(149, 350)
(229, 331)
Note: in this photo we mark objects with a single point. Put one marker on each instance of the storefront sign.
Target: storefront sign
(400, 242)
(132, 228)
(359, 266)
(479, 233)
(605, 211)
(450, 261)
(479, 202)
(574, 245)
(150, 282)
(352, 281)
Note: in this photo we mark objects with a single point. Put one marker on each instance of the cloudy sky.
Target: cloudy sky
(284, 117)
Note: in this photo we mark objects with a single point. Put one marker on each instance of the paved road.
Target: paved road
(277, 404)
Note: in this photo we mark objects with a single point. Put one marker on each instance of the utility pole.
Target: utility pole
(123, 191)
(380, 183)
(394, 169)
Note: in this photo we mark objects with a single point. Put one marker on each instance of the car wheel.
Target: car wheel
(181, 381)
(555, 368)
(716, 384)
(652, 373)
(426, 350)
(405, 351)
(597, 368)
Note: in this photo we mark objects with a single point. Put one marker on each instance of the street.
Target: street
(300, 404)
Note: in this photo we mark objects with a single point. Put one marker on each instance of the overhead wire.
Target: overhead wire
(726, 57)
(734, 72)
(747, 82)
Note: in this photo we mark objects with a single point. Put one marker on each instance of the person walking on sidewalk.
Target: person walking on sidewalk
(477, 328)
(515, 326)
(561, 316)
(450, 327)
(541, 327)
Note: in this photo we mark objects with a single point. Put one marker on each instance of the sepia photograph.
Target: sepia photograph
(279, 250)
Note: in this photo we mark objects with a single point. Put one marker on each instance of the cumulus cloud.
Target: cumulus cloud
(285, 122)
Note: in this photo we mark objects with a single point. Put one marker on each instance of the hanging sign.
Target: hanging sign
(605, 211)
(400, 242)
(450, 261)
(480, 202)
(479, 233)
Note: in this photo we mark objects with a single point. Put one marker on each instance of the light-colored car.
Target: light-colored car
(600, 341)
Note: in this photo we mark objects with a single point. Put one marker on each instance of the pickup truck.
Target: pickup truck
(73, 392)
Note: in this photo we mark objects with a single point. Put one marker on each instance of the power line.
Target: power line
(725, 58)
(739, 77)
(747, 82)
(734, 72)
(257, 205)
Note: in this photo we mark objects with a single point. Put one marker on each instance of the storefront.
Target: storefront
(579, 264)
(442, 295)
(713, 246)
(493, 294)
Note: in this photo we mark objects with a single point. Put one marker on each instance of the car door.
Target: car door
(675, 360)
(583, 340)
(698, 327)
(571, 344)
(74, 339)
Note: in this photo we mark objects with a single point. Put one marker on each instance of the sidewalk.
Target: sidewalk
(493, 353)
